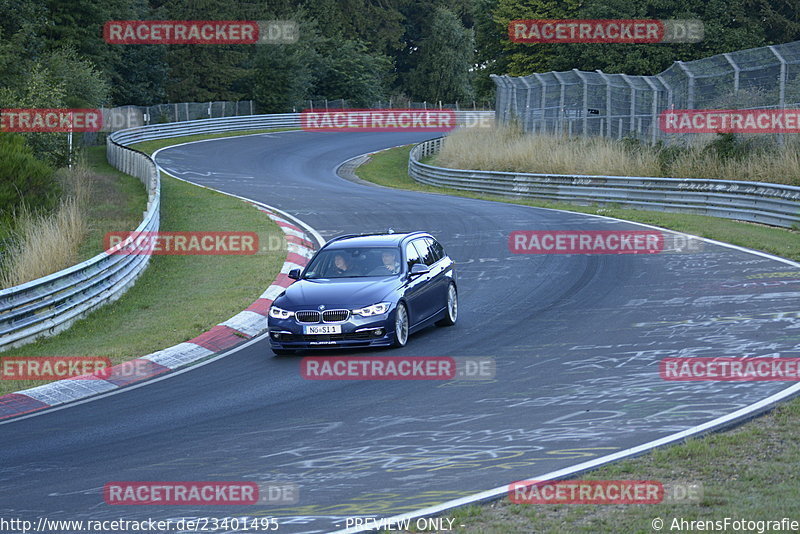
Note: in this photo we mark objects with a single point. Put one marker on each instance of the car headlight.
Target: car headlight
(375, 309)
(278, 313)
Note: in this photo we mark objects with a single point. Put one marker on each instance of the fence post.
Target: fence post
(528, 114)
(690, 88)
(543, 128)
(654, 110)
(736, 71)
(633, 102)
(781, 83)
(608, 102)
(561, 103)
(585, 111)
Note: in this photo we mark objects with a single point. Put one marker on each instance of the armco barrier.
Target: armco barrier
(759, 202)
(50, 304)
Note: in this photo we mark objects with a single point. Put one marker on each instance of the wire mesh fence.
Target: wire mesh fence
(618, 105)
(399, 103)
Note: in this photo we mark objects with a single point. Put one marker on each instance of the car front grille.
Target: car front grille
(352, 336)
(335, 316)
(328, 316)
(307, 316)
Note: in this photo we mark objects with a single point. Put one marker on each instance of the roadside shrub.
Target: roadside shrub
(24, 179)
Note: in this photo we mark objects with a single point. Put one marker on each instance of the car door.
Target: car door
(427, 300)
(417, 289)
(438, 282)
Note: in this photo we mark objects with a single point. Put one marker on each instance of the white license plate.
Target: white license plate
(323, 329)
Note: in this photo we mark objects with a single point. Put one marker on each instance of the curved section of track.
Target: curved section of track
(577, 340)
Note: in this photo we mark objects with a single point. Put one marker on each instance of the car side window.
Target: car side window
(437, 249)
(425, 252)
(412, 256)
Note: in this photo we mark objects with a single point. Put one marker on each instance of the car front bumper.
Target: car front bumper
(357, 331)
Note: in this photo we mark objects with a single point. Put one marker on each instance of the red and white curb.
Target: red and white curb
(239, 328)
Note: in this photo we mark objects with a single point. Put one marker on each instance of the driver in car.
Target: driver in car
(391, 263)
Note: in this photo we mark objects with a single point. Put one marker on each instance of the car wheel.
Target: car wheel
(451, 310)
(400, 326)
(283, 352)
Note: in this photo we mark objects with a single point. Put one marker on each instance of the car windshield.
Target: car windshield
(356, 262)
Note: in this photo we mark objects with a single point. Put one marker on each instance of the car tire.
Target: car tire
(283, 352)
(400, 326)
(451, 308)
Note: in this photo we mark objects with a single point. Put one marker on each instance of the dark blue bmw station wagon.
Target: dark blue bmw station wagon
(365, 290)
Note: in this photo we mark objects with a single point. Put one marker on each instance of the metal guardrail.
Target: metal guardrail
(759, 202)
(47, 305)
(51, 304)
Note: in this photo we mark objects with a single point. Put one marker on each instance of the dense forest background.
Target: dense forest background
(52, 53)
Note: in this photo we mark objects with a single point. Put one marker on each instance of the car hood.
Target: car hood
(332, 293)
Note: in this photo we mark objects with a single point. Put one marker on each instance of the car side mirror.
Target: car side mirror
(294, 274)
(418, 269)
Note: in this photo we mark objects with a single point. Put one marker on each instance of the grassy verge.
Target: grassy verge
(95, 199)
(177, 297)
(117, 201)
(389, 168)
(725, 156)
(747, 472)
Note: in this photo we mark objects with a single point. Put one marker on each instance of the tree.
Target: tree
(349, 71)
(40, 91)
(445, 59)
(84, 86)
(284, 75)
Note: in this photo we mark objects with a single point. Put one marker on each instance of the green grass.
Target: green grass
(116, 204)
(389, 168)
(747, 472)
(177, 297)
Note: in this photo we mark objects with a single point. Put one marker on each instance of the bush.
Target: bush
(24, 180)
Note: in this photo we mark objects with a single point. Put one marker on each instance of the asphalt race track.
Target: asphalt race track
(577, 341)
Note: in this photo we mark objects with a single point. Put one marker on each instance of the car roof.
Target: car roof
(371, 240)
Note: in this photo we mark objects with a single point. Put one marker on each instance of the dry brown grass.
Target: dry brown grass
(507, 149)
(46, 243)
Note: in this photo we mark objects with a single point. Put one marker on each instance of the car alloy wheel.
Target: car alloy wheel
(451, 313)
(400, 326)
